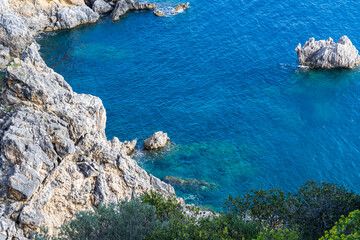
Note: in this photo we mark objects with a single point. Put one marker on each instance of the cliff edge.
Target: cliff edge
(55, 157)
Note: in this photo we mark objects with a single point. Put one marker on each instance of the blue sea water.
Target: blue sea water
(222, 79)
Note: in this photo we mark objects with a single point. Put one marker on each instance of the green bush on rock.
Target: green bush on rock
(258, 215)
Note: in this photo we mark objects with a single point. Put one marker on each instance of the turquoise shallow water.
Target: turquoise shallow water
(222, 80)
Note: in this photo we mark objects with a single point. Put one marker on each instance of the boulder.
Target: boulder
(159, 13)
(122, 6)
(70, 17)
(102, 7)
(328, 54)
(157, 140)
(181, 7)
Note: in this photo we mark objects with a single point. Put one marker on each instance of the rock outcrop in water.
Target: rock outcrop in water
(177, 9)
(55, 157)
(328, 54)
(181, 7)
(157, 140)
(123, 6)
(159, 13)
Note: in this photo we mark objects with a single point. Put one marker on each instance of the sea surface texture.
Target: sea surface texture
(222, 79)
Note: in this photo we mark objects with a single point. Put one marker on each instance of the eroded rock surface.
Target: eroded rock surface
(157, 140)
(72, 16)
(328, 54)
(55, 158)
(102, 7)
(123, 6)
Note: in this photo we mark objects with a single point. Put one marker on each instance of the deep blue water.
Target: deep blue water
(222, 79)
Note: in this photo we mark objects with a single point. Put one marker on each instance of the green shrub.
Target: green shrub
(313, 209)
(279, 234)
(128, 220)
(166, 207)
(270, 208)
(347, 228)
(319, 206)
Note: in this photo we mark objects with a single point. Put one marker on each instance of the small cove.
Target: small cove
(226, 88)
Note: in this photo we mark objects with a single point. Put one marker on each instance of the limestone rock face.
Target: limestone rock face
(14, 33)
(4, 6)
(70, 17)
(122, 6)
(55, 157)
(157, 140)
(101, 7)
(328, 54)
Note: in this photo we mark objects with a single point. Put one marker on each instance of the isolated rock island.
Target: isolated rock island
(328, 54)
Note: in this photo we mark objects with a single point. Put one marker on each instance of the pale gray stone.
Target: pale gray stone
(102, 7)
(70, 17)
(122, 6)
(328, 54)
(157, 140)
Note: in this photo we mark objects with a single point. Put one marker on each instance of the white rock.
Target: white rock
(70, 17)
(328, 54)
(102, 7)
(157, 140)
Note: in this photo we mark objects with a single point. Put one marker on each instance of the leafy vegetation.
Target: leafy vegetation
(347, 228)
(259, 215)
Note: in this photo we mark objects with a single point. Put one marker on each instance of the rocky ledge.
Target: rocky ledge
(55, 157)
(328, 54)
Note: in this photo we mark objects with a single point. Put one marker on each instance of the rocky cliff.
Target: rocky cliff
(55, 157)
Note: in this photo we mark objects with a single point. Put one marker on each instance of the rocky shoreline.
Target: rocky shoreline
(55, 157)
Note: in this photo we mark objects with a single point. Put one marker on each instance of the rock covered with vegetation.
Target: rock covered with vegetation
(328, 54)
(308, 214)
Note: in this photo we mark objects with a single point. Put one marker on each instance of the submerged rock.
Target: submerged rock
(181, 7)
(328, 54)
(157, 140)
(70, 17)
(159, 13)
(122, 6)
(193, 183)
(102, 7)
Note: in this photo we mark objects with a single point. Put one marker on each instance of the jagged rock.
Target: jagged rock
(4, 56)
(157, 140)
(55, 154)
(102, 7)
(4, 6)
(181, 7)
(159, 13)
(70, 17)
(14, 33)
(122, 6)
(328, 54)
